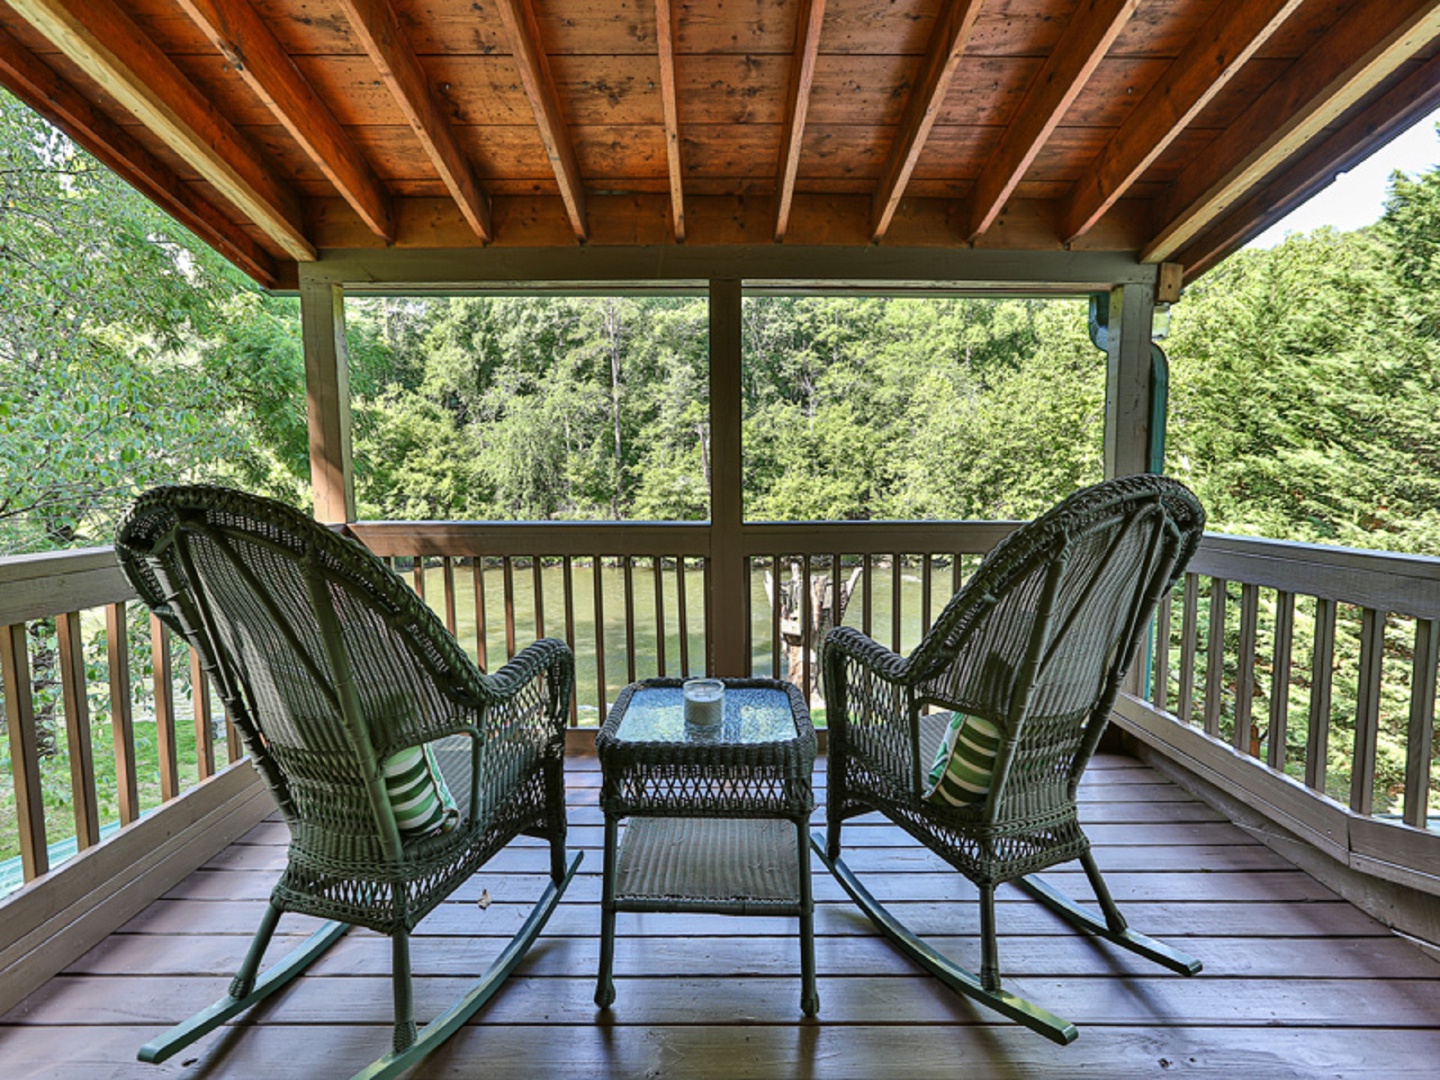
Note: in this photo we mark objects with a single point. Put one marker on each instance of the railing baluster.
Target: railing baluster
(807, 623)
(837, 581)
(895, 602)
(1245, 734)
(77, 729)
(200, 713)
(1215, 657)
(1420, 741)
(508, 574)
(447, 572)
(122, 722)
(866, 623)
(659, 574)
(1189, 644)
(1160, 671)
(925, 592)
(602, 691)
(164, 687)
(680, 613)
(477, 574)
(232, 739)
(1367, 711)
(777, 591)
(24, 751)
(567, 568)
(1278, 734)
(417, 572)
(537, 590)
(747, 617)
(1322, 676)
(629, 581)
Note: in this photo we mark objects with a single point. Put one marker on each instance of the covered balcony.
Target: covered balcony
(1113, 149)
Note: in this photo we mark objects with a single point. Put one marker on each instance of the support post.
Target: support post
(729, 582)
(1128, 377)
(327, 398)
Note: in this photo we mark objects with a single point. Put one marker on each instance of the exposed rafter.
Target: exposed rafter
(810, 16)
(36, 84)
(1089, 35)
(1367, 44)
(1407, 101)
(379, 30)
(254, 53)
(111, 49)
(518, 18)
(947, 42)
(1231, 36)
(665, 42)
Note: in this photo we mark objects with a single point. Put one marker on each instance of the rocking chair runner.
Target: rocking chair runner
(1029, 655)
(336, 675)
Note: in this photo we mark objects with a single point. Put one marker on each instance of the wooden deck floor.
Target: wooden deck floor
(1297, 983)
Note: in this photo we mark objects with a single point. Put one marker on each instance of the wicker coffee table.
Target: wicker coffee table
(719, 820)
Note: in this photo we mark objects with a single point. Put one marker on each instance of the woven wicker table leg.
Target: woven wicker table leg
(605, 983)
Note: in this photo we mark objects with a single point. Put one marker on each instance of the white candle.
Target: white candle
(704, 702)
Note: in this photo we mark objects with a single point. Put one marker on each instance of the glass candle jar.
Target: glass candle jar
(704, 702)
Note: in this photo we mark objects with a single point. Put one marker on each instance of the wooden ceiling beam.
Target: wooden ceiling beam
(100, 39)
(810, 16)
(1365, 46)
(523, 31)
(257, 56)
(1091, 31)
(937, 69)
(36, 83)
(1231, 36)
(665, 43)
(1415, 96)
(383, 38)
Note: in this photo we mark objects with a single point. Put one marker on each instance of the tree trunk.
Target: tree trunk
(824, 614)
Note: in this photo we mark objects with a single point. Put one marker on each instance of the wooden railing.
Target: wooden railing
(1301, 679)
(65, 623)
(1275, 669)
(493, 584)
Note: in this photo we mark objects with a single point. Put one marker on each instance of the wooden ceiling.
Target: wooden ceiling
(1173, 129)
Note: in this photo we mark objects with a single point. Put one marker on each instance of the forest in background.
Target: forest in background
(1305, 382)
(1304, 393)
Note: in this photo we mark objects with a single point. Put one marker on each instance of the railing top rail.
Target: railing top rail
(1385, 580)
(54, 582)
(462, 538)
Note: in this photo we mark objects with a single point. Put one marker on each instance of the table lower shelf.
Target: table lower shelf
(737, 866)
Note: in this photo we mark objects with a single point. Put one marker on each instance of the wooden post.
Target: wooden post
(1127, 380)
(729, 582)
(327, 396)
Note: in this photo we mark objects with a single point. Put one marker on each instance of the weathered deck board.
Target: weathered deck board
(1297, 982)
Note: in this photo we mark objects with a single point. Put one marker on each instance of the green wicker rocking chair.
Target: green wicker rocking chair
(398, 766)
(1027, 660)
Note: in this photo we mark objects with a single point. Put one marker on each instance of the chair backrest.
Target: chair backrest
(326, 660)
(1040, 638)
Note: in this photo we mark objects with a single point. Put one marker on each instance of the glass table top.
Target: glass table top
(752, 715)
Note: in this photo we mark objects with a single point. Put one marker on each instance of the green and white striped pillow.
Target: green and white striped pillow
(961, 773)
(418, 795)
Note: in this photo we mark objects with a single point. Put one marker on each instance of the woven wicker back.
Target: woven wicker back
(289, 618)
(1039, 639)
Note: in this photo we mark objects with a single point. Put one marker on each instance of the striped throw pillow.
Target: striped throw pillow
(961, 773)
(418, 795)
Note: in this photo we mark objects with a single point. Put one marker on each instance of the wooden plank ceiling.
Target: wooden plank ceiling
(1174, 129)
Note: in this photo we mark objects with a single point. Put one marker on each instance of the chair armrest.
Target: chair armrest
(866, 651)
(545, 654)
